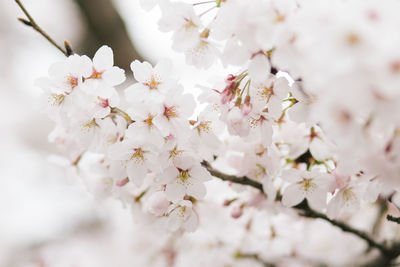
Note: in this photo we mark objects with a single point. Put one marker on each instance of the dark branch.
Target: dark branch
(393, 219)
(389, 253)
(105, 26)
(232, 178)
(32, 23)
(240, 255)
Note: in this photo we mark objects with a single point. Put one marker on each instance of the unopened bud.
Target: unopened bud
(236, 212)
(26, 22)
(122, 182)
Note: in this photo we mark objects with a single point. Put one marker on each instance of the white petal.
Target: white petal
(175, 192)
(169, 175)
(136, 173)
(317, 199)
(141, 70)
(200, 173)
(103, 59)
(334, 206)
(197, 190)
(292, 195)
(259, 68)
(136, 92)
(114, 76)
(291, 175)
(192, 222)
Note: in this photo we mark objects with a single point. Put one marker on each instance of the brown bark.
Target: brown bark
(104, 26)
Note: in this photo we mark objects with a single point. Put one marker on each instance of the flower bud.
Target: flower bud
(236, 212)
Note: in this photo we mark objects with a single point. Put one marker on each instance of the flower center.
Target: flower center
(170, 112)
(55, 99)
(149, 121)
(152, 83)
(203, 127)
(307, 185)
(103, 102)
(72, 81)
(138, 155)
(96, 74)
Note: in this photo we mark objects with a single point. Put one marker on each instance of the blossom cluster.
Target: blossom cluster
(311, 113)
(327, 133)
(144, 151)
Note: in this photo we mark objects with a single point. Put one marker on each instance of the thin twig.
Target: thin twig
(32, 23)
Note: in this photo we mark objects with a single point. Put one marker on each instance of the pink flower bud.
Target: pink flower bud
(230, 78)
(123, 182)
(236, 212)
(247, 107)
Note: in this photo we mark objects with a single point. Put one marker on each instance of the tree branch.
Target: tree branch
(104, 25)
(232, 178)
(393, 219)
(32, 23)
(389, 253)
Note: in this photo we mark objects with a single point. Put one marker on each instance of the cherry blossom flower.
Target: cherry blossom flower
(153, 83)
(312, 186)
(186, 178)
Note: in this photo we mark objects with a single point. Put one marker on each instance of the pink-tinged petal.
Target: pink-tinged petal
(291, 175)
(175, 192)
(200, 173)
(292, 195)
(103, 59)
(266, 133)
(85, 68)
(136, 173)
(114, 76)
(275, 107)
(188, 105)
(192, 222)
(142, 71)
(197, 190)
(281, 87)
(117, 170)
(299, 112)
(152, 161)
(335, 205)
(114, 99)
(174, 221)
(317, 199)
(118, 152)
(158, 203)
(136, 92)
(185, 163)
(169, 175)
(101, 112)
(320, 150)
(259, 68)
